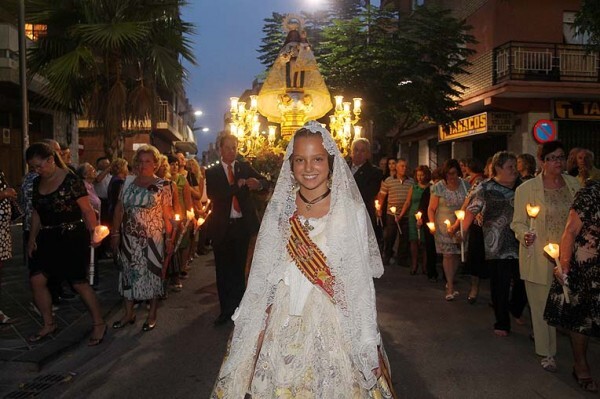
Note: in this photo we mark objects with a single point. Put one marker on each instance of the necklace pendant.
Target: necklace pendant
(307, 225)
(308, 206)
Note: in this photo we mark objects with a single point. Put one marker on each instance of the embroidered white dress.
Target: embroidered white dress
(302, 354)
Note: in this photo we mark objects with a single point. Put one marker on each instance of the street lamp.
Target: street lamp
(343, 123)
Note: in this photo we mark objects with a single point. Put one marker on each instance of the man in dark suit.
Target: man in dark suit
(232, 223)
(367, 176)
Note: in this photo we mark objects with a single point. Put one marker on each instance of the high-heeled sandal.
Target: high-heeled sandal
(97, 341)
(38, 337)
(119, 324)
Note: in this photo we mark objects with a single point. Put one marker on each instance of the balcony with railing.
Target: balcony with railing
(545, 62)
(168, 123)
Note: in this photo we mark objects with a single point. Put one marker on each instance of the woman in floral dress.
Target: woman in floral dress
(447, 196)
(579, 258)
(142, 217)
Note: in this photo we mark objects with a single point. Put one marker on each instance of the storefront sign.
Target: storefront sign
(486, 122)
(544, 130)
(577, 110)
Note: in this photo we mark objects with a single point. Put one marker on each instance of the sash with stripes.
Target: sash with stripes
(309, 258)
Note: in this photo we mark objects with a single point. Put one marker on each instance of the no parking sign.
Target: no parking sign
(544, 130)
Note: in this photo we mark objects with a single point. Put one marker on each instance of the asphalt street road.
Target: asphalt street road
(437, 349)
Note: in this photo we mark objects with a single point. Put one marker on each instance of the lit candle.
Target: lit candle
(100, 232)
(177, 217)
(418, 216)
(460, 215)
(393, 209)
(532, 211)
(431, 226)
(447, 223)
(378, 208)
(553, 250)
(190, 214)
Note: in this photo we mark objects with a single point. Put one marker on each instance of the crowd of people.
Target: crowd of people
(139, 202)
(497, 237)
(330, 227)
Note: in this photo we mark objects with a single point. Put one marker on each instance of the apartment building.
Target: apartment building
(43, 122)
(531, 80)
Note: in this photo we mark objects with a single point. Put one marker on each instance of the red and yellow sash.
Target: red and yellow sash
(309, 259)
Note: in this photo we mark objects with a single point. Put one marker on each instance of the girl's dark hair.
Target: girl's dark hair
(548, 147)
(426, 171)
(528, 161)
(449, 164)
(303, 132)
(171, 158)
(43, 151)
(474, 165)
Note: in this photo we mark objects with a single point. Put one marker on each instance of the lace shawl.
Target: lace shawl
(353, 256)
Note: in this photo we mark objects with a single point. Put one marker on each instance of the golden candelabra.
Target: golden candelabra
(343, 123)
(245, 125)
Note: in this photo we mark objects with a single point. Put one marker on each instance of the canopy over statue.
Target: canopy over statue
(294, 90)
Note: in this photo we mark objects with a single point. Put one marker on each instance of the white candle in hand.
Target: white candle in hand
(532, 212)
(460, 215)
(431, 226)
(553, 250)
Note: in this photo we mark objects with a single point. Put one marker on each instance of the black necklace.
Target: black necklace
(310, 203)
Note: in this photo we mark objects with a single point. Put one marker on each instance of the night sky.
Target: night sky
(228, 33)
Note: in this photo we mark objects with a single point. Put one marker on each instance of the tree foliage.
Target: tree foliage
(587, 22)
(273, 39)
(405, 67)
(111, 59)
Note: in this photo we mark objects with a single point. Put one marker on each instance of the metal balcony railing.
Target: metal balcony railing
(545, 62)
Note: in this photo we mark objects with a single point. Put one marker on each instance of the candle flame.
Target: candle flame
(177, 217)
(100, 232)
(460, 215)
(430, 225)
(418, 215)
(393, 209)
(447, 223)
(553, 250)
(190, 214)
(533, 210)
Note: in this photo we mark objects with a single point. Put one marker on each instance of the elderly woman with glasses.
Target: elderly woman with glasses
(553, 191)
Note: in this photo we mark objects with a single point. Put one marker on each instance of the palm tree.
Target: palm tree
(110, 59)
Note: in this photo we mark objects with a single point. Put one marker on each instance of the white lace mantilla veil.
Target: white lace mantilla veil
(353, 256)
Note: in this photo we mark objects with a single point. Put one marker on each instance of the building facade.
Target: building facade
(43, 122)
(531, 80)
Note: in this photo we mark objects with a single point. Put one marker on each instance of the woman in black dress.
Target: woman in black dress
(59, 241)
